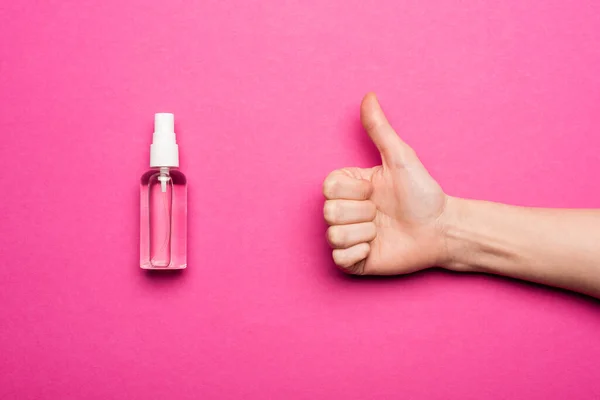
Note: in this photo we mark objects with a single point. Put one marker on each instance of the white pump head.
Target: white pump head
(164, 151)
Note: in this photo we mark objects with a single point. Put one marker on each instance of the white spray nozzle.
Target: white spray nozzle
(164, 123)
(164, 151)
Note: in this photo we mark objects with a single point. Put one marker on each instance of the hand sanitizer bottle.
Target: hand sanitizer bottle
(163, 190)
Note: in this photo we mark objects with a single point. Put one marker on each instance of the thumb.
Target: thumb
(392, 149)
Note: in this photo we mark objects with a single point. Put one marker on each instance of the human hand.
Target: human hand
(385, 220)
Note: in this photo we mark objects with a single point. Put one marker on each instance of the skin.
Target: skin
(396, 219)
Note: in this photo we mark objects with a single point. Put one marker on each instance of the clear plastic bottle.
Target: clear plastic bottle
(163, 190)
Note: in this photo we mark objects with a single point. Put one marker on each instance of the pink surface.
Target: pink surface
(500, 99)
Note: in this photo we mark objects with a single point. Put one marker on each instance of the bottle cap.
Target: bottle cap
(164, 151)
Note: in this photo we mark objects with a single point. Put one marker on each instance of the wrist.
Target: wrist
(459, 249)
(480, 236)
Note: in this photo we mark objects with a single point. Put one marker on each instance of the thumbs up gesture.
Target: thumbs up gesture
(388, 219)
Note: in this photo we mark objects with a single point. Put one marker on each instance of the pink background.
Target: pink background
(500, 99)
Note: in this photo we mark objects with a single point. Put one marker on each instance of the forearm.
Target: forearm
(549, 246)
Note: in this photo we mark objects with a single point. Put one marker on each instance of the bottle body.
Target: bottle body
(163, 219)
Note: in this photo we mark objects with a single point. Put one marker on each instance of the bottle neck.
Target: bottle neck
(164, 169)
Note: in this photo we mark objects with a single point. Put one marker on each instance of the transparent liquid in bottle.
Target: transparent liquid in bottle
(163, 219)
